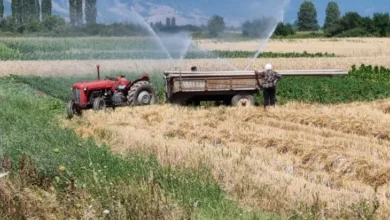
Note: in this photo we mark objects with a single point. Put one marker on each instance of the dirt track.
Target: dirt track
(273, 160)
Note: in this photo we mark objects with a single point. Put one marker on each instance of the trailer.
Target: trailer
(236, 88)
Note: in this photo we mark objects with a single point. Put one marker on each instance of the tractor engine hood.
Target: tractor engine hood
(94, 85)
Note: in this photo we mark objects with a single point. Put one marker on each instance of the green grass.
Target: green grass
(29, 127)
(60, 87)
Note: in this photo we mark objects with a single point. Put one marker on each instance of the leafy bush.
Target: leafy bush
(356, 32)
(284, 30)
(370, 73)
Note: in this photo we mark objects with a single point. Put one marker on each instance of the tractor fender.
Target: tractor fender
(145, 77)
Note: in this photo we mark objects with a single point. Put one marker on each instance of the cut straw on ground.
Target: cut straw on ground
(274, 160)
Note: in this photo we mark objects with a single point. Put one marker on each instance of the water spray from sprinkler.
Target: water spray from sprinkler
(279, 18)
(142, 21)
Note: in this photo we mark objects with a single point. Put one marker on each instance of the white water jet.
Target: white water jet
(279, 18)
(212, 55)
(176, 46)
(142, 21)
(184, 52)
(129, 14)
(176, 43)
(260, 49)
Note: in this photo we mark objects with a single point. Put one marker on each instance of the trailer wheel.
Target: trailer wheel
(243, 100)
(99, 104)
(142, 93)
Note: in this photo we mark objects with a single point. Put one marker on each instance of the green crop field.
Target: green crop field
(116, 48)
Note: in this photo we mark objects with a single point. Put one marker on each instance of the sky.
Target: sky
(235, 12)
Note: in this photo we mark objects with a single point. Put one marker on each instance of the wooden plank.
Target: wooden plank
(212, 84)
(251, 73)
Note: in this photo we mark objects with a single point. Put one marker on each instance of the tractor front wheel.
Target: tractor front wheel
(142, 93)
(71, 109)
(99, 104)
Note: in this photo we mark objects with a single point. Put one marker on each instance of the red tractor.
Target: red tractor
(111, 92)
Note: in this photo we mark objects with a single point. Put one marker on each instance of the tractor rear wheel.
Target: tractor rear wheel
(243, 100)
(99, 104)
(71, 109)
(142, 93)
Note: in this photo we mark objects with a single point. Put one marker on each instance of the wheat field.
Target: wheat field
(277, 159)
(354, 51)
(69, 68)
(349, 47)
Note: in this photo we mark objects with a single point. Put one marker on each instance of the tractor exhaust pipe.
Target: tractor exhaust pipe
(98, 71)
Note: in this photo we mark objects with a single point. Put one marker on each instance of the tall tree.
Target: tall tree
(79, 12)
(36, 10)
(332, 14)
(1, 9)
(25, 8)
(30, 10)
(22, 14)
(16, 13)
(307, 17)
(90, 11)
(46, 8)
(351, 20)
(381, 23)
(72, 12)
(215, 25)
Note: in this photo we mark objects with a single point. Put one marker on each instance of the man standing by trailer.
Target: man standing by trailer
(269, 80)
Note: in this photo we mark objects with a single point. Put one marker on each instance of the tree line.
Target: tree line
(351, 24)
(36, 15)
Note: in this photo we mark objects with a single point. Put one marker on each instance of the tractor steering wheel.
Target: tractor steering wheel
(111, 78)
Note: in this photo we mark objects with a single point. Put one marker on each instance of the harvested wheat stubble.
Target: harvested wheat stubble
(68, 68)
(351, 47)
(274, 160)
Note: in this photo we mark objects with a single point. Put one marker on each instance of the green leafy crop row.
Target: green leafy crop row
(370, 73)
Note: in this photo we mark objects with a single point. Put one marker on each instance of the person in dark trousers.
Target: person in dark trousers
(268, 83)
